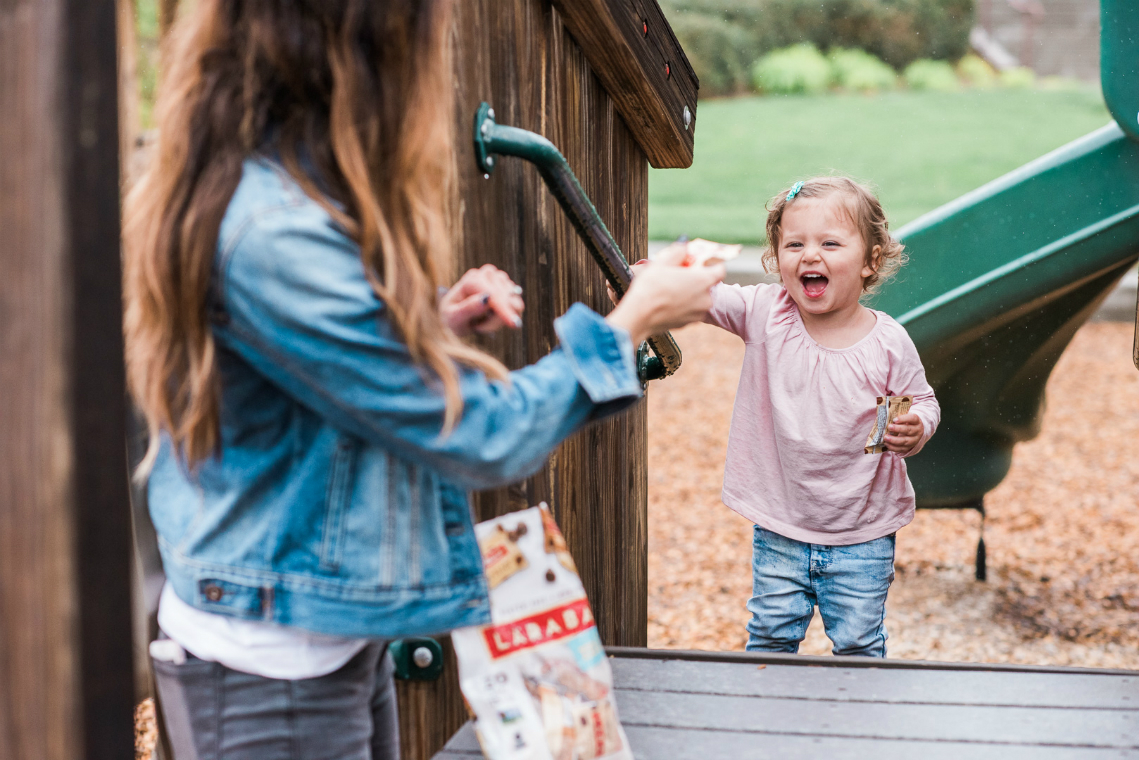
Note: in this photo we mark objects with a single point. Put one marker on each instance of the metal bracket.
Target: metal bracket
(493, 139)
(417, 659)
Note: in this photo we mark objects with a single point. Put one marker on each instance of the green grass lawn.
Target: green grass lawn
(918, 149)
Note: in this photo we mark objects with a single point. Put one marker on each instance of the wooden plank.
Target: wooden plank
(65, 615)
(830, 661)
(911, 686)
(952, 723)
(680, 744)
(687, 744)
(635, 54)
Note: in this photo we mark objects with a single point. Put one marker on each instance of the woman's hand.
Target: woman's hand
(904, 433)
(482, 301)
(665, 295)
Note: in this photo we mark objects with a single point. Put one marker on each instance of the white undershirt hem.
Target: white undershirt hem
(253, 646)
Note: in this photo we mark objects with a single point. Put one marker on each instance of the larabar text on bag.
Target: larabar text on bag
(551, 625)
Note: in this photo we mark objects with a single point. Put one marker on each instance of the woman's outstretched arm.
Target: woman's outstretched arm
(297, 307)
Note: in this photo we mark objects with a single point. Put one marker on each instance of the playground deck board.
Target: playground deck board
(699, 706)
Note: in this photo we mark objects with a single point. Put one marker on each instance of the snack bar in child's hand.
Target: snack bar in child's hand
(536, 678)
(889, 408)
(702, 253)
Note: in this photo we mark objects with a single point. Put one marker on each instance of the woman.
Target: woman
(315, 420)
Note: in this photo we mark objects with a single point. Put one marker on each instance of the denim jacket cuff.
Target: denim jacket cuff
(601, 355)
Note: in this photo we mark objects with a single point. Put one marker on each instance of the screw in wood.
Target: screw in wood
(422, 657)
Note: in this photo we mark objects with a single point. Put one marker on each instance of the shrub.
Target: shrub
(976, 72)
(718, 51)
(897, 31)
(859, 70)
(937, 76)
(1020, 78)
(796, 69)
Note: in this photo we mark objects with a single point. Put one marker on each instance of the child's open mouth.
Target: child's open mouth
(814, 285)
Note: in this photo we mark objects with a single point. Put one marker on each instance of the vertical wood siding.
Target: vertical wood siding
(518, 56)
(66, 685)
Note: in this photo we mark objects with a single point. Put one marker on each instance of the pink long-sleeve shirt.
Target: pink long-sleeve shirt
(795, 462)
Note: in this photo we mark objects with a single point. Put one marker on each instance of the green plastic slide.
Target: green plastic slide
(1000, 280)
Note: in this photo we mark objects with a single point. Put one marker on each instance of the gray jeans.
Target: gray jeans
(212, 712)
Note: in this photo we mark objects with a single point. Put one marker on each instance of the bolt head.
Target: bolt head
(490, 160)
(490, 113)
(485, 128)
(687, 117)
(422, 657)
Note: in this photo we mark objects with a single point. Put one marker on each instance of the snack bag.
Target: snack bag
(536, 678)
(889, 408)
(703, 252)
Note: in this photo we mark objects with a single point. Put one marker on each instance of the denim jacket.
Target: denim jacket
(335, 503)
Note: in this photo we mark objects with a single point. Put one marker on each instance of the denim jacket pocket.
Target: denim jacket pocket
(229, 597)
(340, 480)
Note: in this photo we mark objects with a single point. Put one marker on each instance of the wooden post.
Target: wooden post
(66, 680)
(167, 13)
(130, 123)
(591, 84)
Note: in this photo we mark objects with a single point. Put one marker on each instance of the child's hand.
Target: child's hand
(635, 267)
(904, 433)
(665, 296)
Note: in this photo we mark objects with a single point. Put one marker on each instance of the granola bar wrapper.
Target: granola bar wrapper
(536, 678)
(889, 408)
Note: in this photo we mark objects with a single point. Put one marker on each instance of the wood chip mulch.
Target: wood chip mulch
(1062, 529)
(145, 730)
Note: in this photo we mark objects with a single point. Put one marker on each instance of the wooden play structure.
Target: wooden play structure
(607, 83)
(604, 80)
(606, 86)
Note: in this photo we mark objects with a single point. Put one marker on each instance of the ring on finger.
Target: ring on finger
(516, 290)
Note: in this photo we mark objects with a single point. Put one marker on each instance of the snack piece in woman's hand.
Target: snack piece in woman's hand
(704, 253)
(889, 409)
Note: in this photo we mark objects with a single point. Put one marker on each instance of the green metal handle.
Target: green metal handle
(493, 139)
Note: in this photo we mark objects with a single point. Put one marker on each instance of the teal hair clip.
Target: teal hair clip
(794, 190)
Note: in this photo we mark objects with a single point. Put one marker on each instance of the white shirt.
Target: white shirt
(251, 646)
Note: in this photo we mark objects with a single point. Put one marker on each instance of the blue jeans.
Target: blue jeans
(849, 583)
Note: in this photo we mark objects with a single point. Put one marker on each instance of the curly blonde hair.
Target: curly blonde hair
(864, 210)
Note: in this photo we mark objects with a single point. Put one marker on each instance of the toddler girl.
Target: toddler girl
(816, 360)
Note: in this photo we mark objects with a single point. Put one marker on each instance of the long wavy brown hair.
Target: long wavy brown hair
(358, 92)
